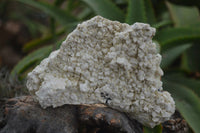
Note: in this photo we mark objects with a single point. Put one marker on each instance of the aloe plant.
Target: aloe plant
(178, 34)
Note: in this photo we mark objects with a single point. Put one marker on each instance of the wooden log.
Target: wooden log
(24, 115)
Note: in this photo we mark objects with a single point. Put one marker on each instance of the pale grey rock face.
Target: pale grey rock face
(108, 62)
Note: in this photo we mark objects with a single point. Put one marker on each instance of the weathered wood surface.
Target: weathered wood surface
(24, 115)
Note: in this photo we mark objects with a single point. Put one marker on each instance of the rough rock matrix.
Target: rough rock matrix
(109, 62)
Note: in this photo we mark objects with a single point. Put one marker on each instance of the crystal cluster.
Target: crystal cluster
(108, 62)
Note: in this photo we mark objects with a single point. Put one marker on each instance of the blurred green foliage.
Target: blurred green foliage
(10, 86)
(178, 36)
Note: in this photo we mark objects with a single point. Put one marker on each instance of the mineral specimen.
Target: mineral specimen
(108, 62)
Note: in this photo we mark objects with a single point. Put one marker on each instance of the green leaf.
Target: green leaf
(191, 59)
(157, 46)
(170, 55)
(30, 59)
(187, 102)
(86, 12)
(193, 84)
(149, 12)
(172, 37)
(162, 24)
(106, 9)
(33, 26)
(156, 129)
(55, 12)
(120, 2)
(71, 5)
(140, 11)
(183, 16)
(58, 2)
(40, 41)
(136, 11)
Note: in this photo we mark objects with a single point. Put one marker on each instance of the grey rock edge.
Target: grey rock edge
(108, 62)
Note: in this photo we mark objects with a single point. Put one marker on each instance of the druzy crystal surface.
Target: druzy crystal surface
(107, 62)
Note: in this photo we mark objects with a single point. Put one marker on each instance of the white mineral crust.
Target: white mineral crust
(108, 62)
